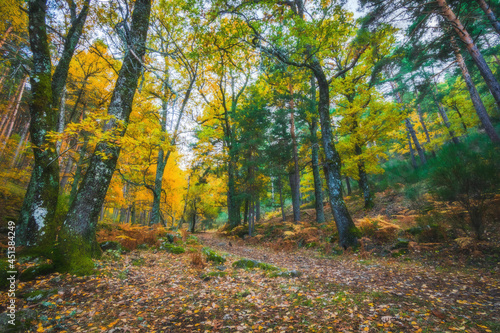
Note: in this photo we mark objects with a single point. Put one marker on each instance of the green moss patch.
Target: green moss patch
(32, 272)
(213, 256)
(172, 248)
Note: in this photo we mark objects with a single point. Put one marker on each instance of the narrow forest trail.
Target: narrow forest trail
(157, 291)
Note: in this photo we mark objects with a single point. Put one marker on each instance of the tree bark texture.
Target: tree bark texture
(474, 95)
(78, 231)
(318, 186)
(36, 226)
(345, 226)
(490, 14)
(295, 174)
(472, 48)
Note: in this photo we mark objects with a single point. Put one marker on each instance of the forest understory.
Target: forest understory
(214, 282)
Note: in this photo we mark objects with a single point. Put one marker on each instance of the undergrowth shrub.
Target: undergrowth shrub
(468, 174)
(130, 236)
(213, 256)
(377, 229)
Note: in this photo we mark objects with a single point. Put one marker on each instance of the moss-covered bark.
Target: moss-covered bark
(36, 227)
(77, 237)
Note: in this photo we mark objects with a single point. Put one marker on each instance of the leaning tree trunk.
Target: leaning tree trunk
(446, 121)
(472, 48)
(418, 146)
(345, 226)
(36, 227)
(318, 186)
(489, 13)
(77, 237)
(474, 96)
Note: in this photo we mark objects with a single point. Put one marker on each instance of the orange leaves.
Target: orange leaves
(129, 236)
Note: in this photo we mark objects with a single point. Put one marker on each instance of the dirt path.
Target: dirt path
(155, 291)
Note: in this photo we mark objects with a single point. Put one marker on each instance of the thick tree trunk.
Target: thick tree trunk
(489, 13)
(36, 226)
(295, 174)
(77, 237)
(318, 186)
(345, 226)
(472, 48)
(474, 95)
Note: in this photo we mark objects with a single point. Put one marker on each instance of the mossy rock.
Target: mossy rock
(32, 272)
(287, 274)
(401, 244)
(245, 263)
(111, 245)
(399, 253)
(267, 267)
(23, 321)
(38, 295)
(213, 256)
(172, 248)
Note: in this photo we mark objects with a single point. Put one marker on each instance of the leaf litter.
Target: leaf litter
(155, 291)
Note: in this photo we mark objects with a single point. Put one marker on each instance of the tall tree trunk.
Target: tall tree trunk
(77, 237)
(474, 96)
(162, 159)
(363, 179)
(257, 208)
(472, 48)
(78, 172)
(348, 185)
(5, 36)
(412, 153)
(418, 147)
(444, 116)
(295, 174)
(245, 211)
(36, 227)
(318, 186)
(345, 226)
(60, 121)
(21, 144)
(489, 13)
(12, 113)
(282, 203)
(66, 174)
(422, 122)
(234, 203)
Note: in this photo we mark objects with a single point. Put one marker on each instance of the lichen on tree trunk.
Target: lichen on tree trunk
(77, 238)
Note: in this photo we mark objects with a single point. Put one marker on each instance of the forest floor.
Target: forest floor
(155, 291)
